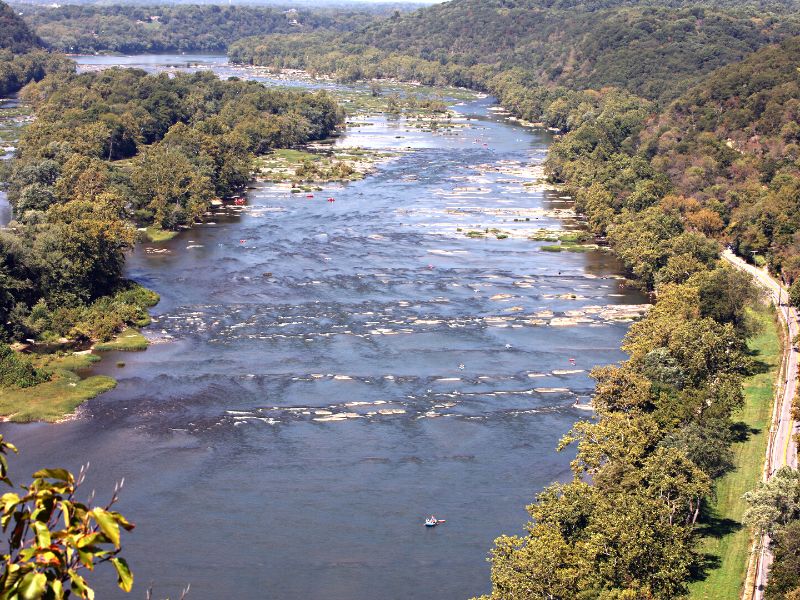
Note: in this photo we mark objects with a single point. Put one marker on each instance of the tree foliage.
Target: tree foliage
(784, 574)
(15, 35)
(15, 371)
(653, 49)
(662, 432)
(119, 148)
(21, 56)
(132, 29)
(53, 537)
(775, 503)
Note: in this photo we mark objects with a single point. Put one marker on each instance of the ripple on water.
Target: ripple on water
(347, 361)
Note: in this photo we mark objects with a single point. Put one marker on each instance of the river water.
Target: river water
(326, 374)
(11, 123)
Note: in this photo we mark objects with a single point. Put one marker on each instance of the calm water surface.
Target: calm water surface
(328, 373)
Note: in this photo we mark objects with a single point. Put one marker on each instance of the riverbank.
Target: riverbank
(374, 298)
(725, 541)
(69, 385)
(58, 397)
(418, 109)
(70, 382)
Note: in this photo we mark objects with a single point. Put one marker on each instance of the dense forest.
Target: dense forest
(21, 56)
(119, 148)
(723, 157)
(138, 29)
(15, 35)
(618, 159)
(650, 49)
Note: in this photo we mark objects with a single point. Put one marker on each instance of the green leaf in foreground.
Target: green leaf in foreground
(124, 575)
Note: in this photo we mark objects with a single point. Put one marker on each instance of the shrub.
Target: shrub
(16, 371)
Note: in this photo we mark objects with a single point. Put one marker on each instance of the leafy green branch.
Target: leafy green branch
(53, 537)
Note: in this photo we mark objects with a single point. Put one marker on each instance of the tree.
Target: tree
(544, 564)
(631, 550)
(794, 294)
(583, 543)
(642, 240)
(620, 389)
(774, 503)
(707, 444)
(16, 371)
(79, 251)
(15, 276)
(612, 449)
(53, 536)
(725, 294)
(784, 574)
(170, 187)
(670, 477)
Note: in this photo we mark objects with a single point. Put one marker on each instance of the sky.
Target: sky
(370, 1)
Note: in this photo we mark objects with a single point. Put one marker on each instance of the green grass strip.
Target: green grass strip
(129, 340)
(726, 543)
(156, 234)
(54, 399)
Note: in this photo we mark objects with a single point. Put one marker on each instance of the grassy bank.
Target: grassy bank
(571, 247)
(65, 391)
(54, 399)
(726, 543)
(129, 340)
(156, 234)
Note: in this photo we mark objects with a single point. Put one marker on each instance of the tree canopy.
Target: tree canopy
(119, 148)
(138, 29)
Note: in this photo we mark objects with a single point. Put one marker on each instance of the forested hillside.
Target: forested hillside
(719, 163)
(652, 49)
(731, 143)
(15, 35)
(21, 57)
(86, 29)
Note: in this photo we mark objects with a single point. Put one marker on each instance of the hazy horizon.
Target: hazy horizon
(304, 3)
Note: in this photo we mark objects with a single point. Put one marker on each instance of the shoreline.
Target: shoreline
(127, 340)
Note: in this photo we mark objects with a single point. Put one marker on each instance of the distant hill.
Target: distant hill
(733, 143)
(150, 28)
(15, 35)
(22, 58)
(639, 46)
(653, 49)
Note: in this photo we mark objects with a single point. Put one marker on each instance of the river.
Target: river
(326, 374)
(12, 119)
